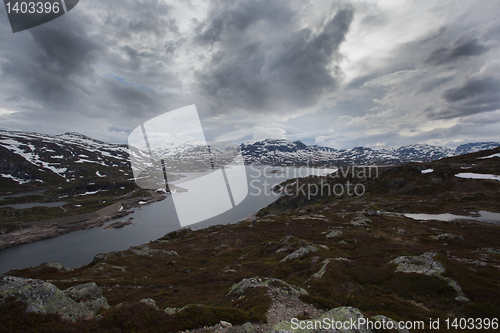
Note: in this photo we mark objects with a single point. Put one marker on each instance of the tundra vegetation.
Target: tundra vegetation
(321, 251)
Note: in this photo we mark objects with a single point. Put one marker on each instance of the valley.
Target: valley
(306, 256)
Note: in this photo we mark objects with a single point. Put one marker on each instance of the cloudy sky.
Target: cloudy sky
(333, 73)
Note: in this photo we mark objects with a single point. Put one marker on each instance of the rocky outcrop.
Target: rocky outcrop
(240, 287)
(149, 301)
(42, 297)
(82, 301)
(425, 264)
(322, 271)
(303, 251)
(334, 233)
(145, 250)
(88, 294)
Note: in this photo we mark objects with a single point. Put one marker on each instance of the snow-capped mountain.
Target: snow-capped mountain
(38, 158)
(475, 147)
(284, 152)
(71, 157)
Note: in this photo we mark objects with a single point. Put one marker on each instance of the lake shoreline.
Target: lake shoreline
(56, 227)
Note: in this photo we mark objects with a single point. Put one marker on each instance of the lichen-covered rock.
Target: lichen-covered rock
(96, 305)
(491, 250)
(247, 328)
(300, 252)
(149, 301)
(447, 236)
(181, 233)
(423, 264)
(42, 297)
(145, 250)
(360, 221)
(171, 311)
(240, 287)
(87, 291)
(99, 257)
(57, 265)
(88, 294)
(322, 271)
(334, 233)
(460, 294)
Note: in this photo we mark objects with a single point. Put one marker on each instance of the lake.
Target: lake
(150, 223)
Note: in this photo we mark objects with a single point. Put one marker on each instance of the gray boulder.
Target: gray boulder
(88, 294)
(248, 328)
(334, 233)
(423, 264)
(87, 291)
(303, 251)
(42, 297)
(149, 301)
(240, 287)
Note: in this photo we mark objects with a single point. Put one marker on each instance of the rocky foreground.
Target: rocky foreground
(335, 257)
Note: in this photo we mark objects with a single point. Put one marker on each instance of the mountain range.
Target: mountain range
(40, 159)
(284, 152)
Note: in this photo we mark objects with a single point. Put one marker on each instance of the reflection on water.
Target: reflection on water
(21, 194)
(150, 222)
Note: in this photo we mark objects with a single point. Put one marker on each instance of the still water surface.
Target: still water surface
(150, 223)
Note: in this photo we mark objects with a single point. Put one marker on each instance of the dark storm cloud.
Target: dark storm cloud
(65, 51)
(237, 16)
(293, 72)
(460, 48)
(131, 100)
(53, 66)
(49, 71)
(473, 88)
(303, 65)
(477, 95)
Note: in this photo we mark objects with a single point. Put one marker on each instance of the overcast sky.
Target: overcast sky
(334, 73)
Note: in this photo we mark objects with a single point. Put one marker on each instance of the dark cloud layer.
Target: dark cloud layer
(460, 48)
(296, 70)
(476, 95)
(57, 70)
(234, 17)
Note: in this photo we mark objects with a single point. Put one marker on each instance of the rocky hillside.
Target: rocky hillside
(39, 161)
(308, 256)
